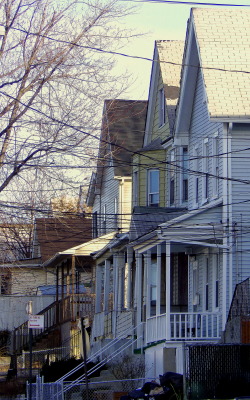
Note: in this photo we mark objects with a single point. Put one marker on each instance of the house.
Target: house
(187, 268)
(110, 197)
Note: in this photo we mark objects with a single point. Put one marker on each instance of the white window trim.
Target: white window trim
(216, 278)
(206, 284)
(205, 171)
(172, 169)
(149, 193)
(135, 188)
(196, 175)
(183, 174)
(215, 166)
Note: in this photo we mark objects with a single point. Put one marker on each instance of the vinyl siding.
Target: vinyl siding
(201, 128)
(240, 201)
(108, 191)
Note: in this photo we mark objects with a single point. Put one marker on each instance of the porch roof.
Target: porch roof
(85, 249)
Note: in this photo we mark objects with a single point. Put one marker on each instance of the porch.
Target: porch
(183, 326)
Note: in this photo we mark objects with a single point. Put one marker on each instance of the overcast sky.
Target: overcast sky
(157, 21)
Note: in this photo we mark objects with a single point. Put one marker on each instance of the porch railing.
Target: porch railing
(183, 326)
(66, 309)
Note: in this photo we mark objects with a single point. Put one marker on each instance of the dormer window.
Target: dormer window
(162, 107)
(153, 186)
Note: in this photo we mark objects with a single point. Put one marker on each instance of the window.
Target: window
(5, 280)
(153, 187)
(216, 165)
(205, 161)
(153, 283)
(196, 176)
(206, 292)
(95, 225)
(196, 296)
(216, 280)
(184, 188)
(115, 213)
(135, 189)
(162, 107)
(172, 178)
(104, 221)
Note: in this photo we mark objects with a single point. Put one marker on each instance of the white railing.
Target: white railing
(184, 326)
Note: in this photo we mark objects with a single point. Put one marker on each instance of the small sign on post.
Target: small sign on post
(36, 321)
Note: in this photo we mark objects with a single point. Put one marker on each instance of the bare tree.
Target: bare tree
(54, 76)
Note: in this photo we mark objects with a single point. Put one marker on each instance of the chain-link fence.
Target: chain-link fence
(103, 390)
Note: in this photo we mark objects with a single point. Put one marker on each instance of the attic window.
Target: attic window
(162, 107)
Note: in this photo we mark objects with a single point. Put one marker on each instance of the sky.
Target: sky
(157, 21)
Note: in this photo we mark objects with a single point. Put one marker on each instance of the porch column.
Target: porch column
(129, 278)
(98, 289)
(168, 263)
(147, 270)
(120, 264)
(158, 281)
(138, 296)
(106, 286)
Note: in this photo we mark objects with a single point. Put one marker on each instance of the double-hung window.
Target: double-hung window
(153, 187)
(184, 186)
(196, 176)
(215, 165)
(95, 225)
(205, 172)
(162, 107)
(104, 220)
(172, 178)
(135, 188)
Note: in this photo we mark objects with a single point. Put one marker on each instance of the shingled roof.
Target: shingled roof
(122, 133)
(170, 57)
(54, 235)
(223, 37)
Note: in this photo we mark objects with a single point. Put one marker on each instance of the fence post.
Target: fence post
(184, 372)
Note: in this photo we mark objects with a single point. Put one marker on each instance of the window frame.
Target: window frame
(205, 171)
(151, 193)
(215, 165)
(184, 175)
(172, 177)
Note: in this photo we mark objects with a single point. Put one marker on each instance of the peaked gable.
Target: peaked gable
(165, 74)
(217, 44)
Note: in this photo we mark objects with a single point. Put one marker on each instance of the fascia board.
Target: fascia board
(152, 95)
(182, 109)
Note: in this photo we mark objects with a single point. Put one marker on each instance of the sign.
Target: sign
(36, 322)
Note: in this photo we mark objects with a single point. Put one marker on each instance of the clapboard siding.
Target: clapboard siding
(241, 200)
(164, 130)
(200, 129)
(108, 191)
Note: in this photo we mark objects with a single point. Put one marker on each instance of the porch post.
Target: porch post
(98, 289)
(138, 297)
(168, 263)
(158, 281)
(106, 285)
(148, 283)
(120, 283)
(129, 277)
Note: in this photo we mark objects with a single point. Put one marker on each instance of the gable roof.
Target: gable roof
(167, 62)
(58, 234)
(122, 132)
(226, 47)
(170, 57)
(218, 41)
